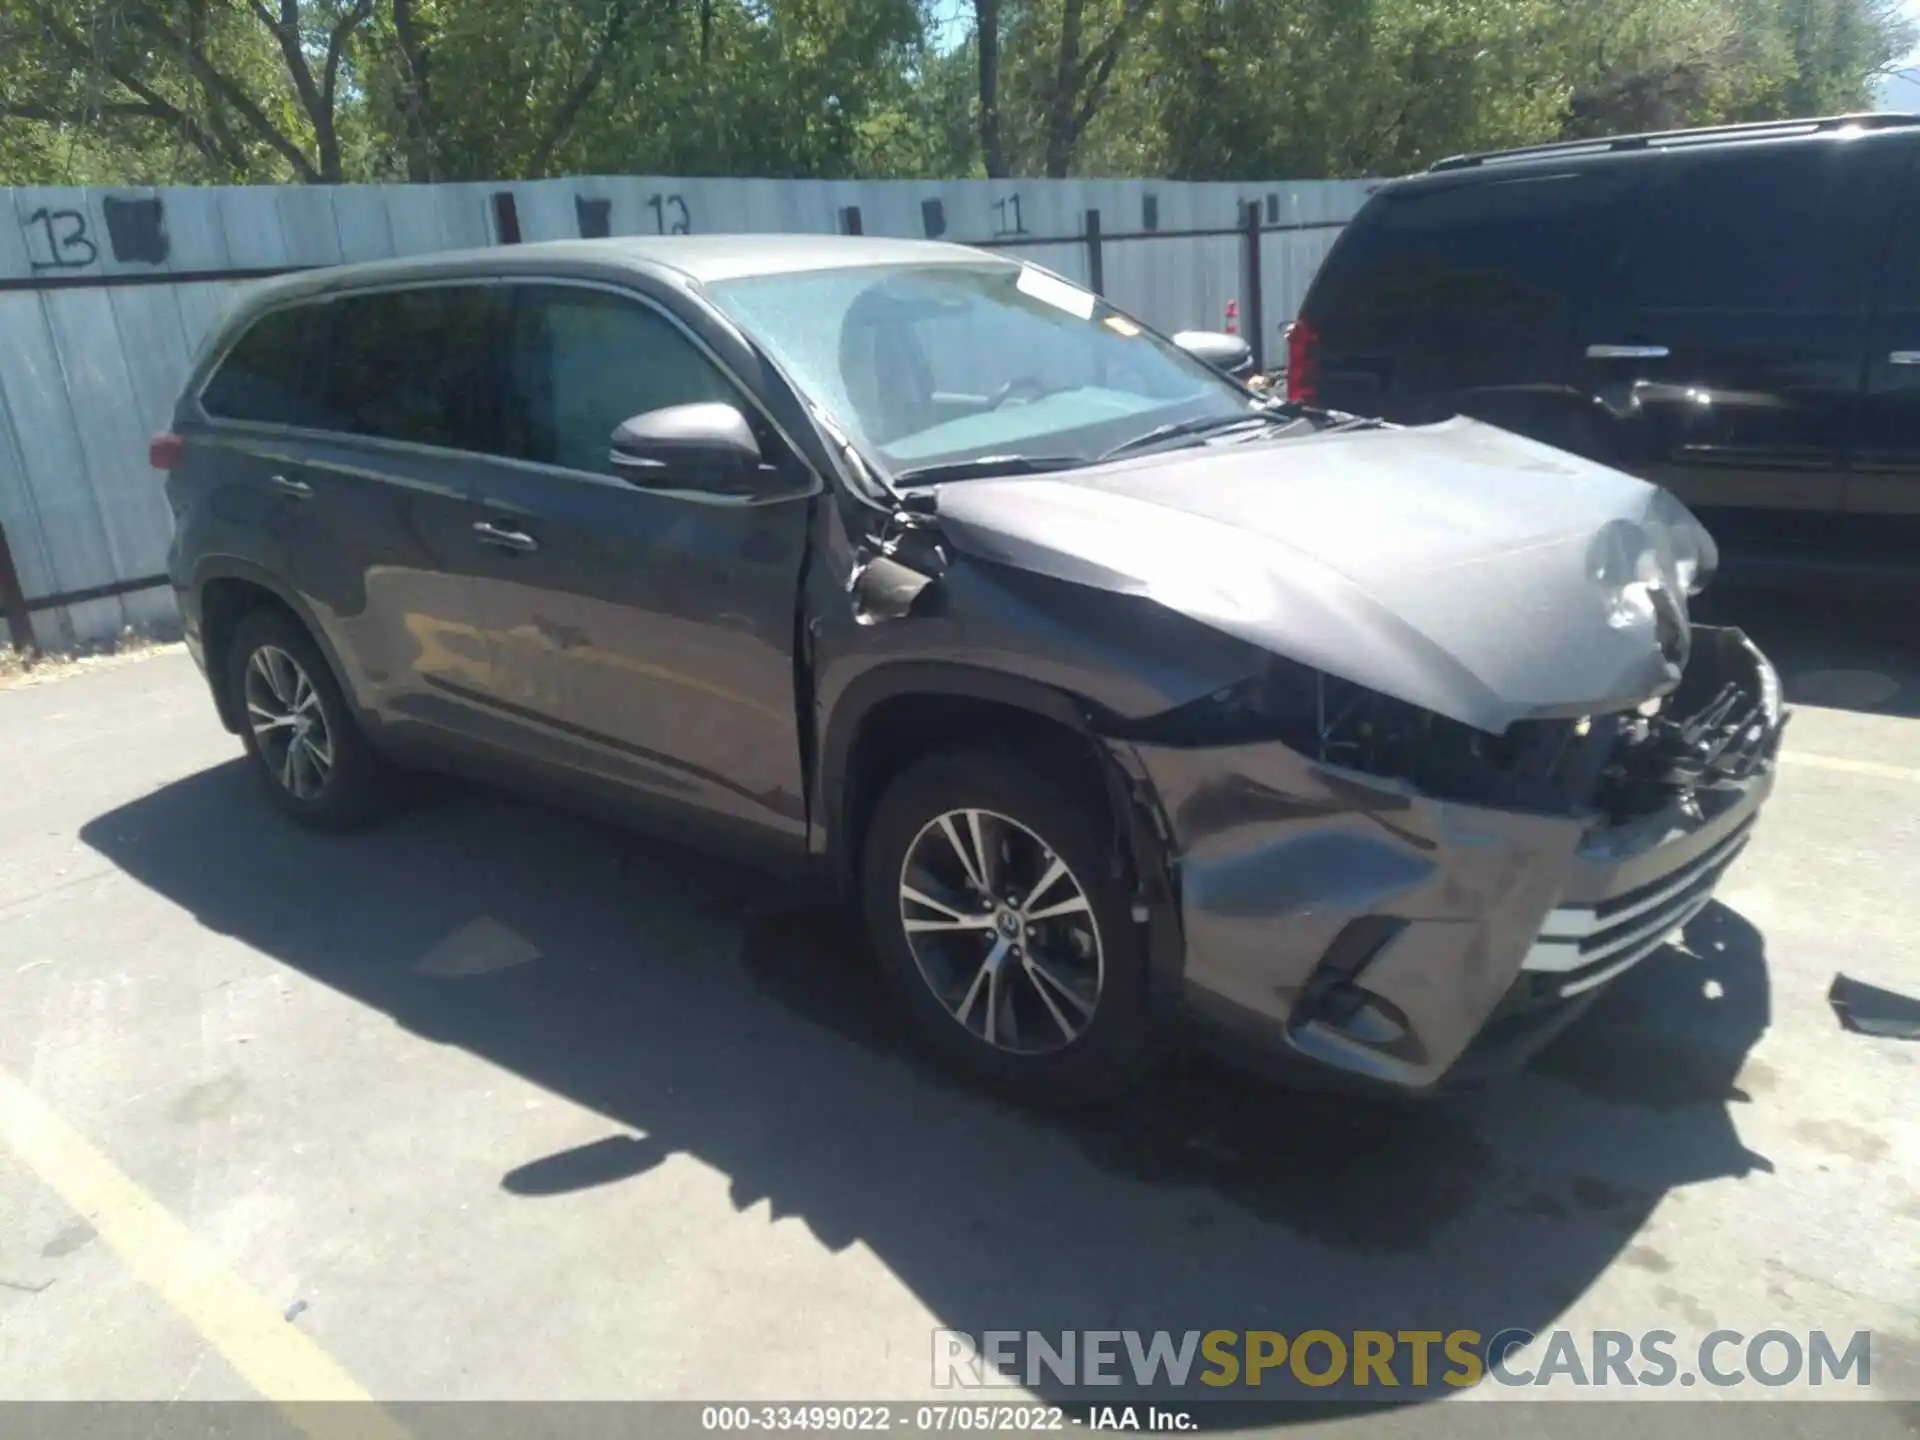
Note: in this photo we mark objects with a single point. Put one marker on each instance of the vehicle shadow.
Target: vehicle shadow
(712, 1013)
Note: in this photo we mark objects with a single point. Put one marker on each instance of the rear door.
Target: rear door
(1462, 294)
(258, 403)
(641, 638)
(381, 543)
(1727, 364)
(1886, 469)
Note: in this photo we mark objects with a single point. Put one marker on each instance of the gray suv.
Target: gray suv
(1112, 692)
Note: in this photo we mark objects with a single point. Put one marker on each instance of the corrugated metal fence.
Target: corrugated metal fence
(105, 294)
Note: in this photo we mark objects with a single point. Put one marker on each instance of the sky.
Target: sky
(953, 18)
(1902, 92)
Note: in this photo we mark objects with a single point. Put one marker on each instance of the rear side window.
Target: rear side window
(270, 375)
(1523, 241)
(415, 365)
(1775, 227)
(582, 361)
(1901, 287)
(1903, 261)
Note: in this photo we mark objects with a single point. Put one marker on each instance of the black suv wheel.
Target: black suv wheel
(299, 731)
(1000, 926)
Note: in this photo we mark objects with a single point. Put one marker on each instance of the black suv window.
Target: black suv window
(1769, 227)
(1485, 243)
(1902, 285)
(582, 361)
(269, 375)
(415, 365)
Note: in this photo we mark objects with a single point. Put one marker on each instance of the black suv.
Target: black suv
(1732, 313)
(1112, 691)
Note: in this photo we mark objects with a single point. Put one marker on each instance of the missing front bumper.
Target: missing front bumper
(1366, 928)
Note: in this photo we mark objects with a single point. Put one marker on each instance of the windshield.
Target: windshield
(933, 366)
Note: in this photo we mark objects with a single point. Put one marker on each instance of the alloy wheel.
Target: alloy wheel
(1002, 931)
(289, 726)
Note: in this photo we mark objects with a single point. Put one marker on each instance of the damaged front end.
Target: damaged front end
(1411, 900)
(1471, 761)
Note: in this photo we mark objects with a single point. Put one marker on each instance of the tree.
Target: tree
(1329, 87)
(986, 42)
(149, 91)
(1304, 88)
(1045, 70)
(481, 89)
(253, 91)
(330, 90)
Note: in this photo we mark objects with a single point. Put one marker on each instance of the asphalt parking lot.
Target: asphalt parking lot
(493, 1102)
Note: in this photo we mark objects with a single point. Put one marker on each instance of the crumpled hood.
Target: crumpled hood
(1456, 566)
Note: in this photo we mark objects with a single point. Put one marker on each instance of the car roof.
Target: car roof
(1838, 127)
(700, 259)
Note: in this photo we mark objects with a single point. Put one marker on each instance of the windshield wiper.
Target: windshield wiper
(1177, 429)
(983, 466)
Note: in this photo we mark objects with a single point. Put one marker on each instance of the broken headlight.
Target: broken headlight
(1719, 726)
(1689, 548)
(1552, 765)
(1722, 724)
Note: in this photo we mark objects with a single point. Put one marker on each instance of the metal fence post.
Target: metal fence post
(13, 601)
(506, 217)
(1096, 258)
(1255, 312)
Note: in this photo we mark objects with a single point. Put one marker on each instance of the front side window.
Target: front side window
(582, 361)
(942, 363)
(413, 365)
(268, 377)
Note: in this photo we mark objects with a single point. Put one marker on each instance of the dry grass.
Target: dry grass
(19, 669)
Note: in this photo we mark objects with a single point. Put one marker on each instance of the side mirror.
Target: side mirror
(707, 446)
(1228, 354)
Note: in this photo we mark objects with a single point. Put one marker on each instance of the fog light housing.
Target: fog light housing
(1361, 1016)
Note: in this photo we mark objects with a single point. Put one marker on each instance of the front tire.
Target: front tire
(301, 735)
(991, 900)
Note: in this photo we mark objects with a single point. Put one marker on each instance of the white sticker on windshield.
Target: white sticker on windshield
(1052, 290)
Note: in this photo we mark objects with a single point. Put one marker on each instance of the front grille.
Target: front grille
(1581, 946)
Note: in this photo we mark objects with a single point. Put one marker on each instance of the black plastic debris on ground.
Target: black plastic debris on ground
(1869, 1010)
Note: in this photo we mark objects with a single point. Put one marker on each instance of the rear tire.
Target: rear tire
(1035, 982)
(300, 733)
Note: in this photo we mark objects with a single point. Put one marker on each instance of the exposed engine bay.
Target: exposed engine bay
(1719, 725)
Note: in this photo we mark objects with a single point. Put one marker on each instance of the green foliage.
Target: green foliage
(193, 91)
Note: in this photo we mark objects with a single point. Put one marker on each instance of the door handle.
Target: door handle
(1904, 357)
(503, 538)
(298, 489)
(1626, 352)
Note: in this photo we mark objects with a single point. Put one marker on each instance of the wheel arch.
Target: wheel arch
(225, 591)
(903, 711)
(894, 715)
(890, 716)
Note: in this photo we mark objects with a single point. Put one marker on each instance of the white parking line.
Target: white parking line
(1852, 767)
(276, 1358)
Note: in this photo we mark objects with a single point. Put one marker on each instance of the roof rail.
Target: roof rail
(1752, 130)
